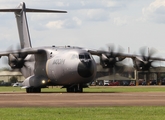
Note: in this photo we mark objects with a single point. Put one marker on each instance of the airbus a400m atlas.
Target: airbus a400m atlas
(70, 67)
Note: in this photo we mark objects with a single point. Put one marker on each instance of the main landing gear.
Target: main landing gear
(33, 90)
(75, 88)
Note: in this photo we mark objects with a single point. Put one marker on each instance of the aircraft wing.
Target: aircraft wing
(22, 51)
(110, 59)
(100, 52)
(122, 55)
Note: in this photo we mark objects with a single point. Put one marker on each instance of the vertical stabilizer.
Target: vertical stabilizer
(22, 25)
(23, 30)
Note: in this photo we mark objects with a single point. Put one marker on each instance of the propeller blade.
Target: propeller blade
(145, 63)
(17, 61)
(111, 58)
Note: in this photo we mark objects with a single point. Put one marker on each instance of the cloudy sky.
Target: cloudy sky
(90, 23)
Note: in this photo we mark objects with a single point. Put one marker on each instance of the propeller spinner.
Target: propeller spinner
(144, 62)
(111, 59)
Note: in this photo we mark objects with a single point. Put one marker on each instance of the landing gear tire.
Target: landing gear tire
(75, 88)
(33, 90)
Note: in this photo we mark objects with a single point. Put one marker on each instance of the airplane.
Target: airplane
(67, 66)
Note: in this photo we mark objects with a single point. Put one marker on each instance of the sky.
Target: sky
(92, 24)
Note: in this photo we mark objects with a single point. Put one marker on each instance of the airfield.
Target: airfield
(58, 99)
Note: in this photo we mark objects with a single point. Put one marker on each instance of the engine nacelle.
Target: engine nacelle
(12, 61)
(109, 61)
(15, 62)
(141, 65)
(104, 61)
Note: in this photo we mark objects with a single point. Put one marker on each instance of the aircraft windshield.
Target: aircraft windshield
(84, 56)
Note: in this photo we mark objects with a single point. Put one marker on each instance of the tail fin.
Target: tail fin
(20, 14)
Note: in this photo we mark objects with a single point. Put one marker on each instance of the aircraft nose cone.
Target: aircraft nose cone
(85, 69)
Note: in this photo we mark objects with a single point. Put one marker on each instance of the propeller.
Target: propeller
(17, 61)
(144, 62)
(110, 59)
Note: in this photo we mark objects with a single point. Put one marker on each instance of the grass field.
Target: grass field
(95, 89)
(86, 113)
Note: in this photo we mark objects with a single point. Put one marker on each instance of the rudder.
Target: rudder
(22, 25)
(23, 30)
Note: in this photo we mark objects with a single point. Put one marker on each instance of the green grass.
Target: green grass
(84, 113)
(95, 89)
(126, 89)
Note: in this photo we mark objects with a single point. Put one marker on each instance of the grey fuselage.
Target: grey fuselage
(62, 66)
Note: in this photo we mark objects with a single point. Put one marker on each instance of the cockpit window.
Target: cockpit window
(84, 56)
(81, 56)
(87, 56)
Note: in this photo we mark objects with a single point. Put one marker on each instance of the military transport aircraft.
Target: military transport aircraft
(68, 66)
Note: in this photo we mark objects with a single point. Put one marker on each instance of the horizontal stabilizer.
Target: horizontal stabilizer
(23, 30)
(22, 8)
(32, 10)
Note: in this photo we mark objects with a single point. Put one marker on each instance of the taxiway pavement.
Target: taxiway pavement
(81, 99)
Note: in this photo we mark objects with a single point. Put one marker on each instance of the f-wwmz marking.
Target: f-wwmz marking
(59, 61)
